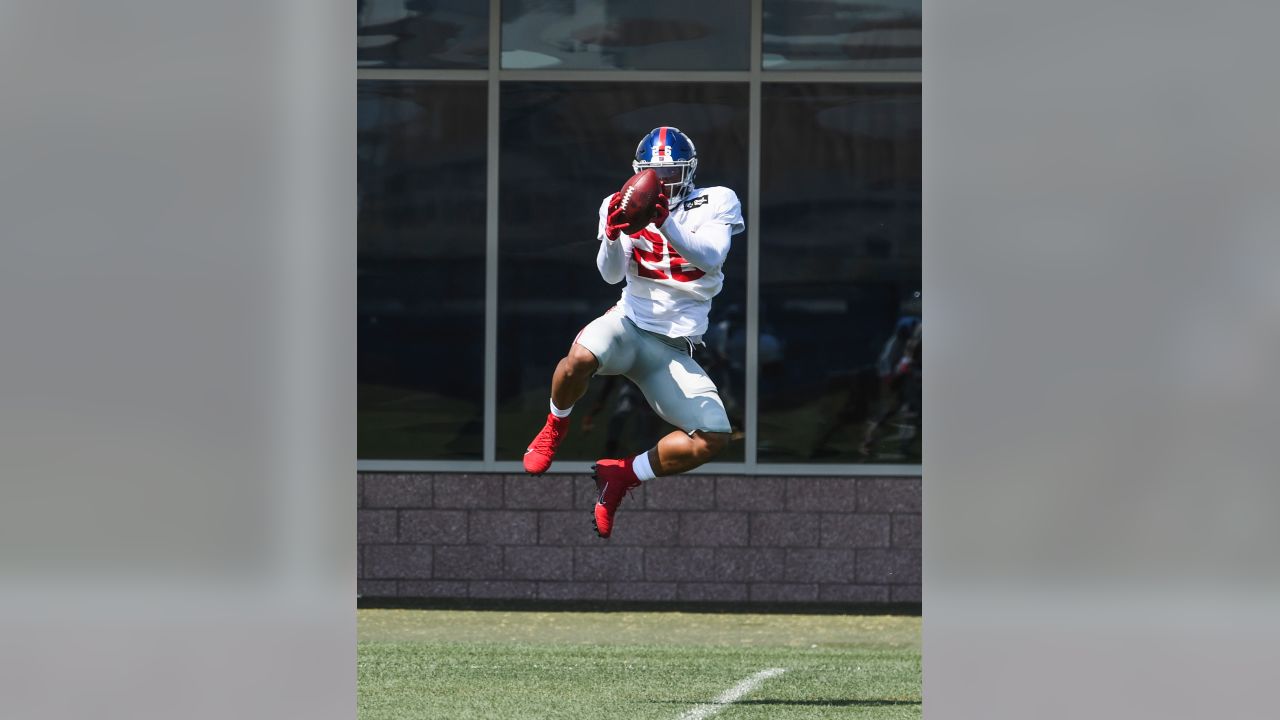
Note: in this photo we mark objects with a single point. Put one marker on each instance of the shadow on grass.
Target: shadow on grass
(830, 703)
(801, 703)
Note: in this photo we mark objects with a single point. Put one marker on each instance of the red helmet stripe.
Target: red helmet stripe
(662, 139)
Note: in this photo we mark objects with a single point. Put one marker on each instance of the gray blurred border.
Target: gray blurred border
(178, 359)
(1100, 272)
(177, 368)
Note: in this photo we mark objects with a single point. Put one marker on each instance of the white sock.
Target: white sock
(558, 412)
(640, 465)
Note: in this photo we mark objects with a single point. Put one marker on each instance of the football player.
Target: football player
(673, 270)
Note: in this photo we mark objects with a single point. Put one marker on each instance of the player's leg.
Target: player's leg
(679, 451)
(681, 393)
(572, 376)
(593, 351)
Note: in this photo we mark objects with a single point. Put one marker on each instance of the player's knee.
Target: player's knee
(579, 361)
(709, 444)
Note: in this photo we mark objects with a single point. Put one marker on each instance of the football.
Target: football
(638, 195)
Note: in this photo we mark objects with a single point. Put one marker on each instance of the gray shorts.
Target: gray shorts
(676, 386)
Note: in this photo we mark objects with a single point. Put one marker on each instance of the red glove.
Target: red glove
(613, 223)
(660, 211)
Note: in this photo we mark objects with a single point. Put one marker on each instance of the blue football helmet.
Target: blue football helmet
(671, 154)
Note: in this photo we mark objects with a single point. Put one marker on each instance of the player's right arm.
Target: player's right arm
(611, 259)
(706, 245)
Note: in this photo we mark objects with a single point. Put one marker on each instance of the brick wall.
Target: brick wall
(688, 538)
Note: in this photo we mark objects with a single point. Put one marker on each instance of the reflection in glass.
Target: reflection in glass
(422, 33)
(842, 35)
(565, 146)
(840, 308)
(421, 195)
(653, 35)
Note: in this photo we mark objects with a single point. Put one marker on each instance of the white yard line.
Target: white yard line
(730, 696)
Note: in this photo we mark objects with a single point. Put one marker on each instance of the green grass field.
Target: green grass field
(634, 665)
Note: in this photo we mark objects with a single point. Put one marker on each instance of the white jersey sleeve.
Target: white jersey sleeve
(727, 209)
(611, 258)
(604, 217)
(702, 236)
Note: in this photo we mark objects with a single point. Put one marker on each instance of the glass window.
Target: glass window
(842, 35)
(422, 33)
(840, 273)
(653, 35)
(565, 146)
(421, 195)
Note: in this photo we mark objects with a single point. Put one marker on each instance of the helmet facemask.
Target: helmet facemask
(676, 175)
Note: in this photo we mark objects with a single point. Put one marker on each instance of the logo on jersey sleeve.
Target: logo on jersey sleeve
(696, 202)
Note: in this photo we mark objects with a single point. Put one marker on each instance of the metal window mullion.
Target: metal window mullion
(647, 76)
(491, 239)
(582, 467)
(430, 74)
(842, 76)
(752, 393)
(642, 76)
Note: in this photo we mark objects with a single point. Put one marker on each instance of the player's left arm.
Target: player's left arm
(707, 245)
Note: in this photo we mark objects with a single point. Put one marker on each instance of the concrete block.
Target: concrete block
(584, 492)
(538, 562)
(376, 526)
(433, 527)
(764, 494)
(712, 592)
(503, 590)
(384, 490)
(397, 561)
(666, 564)
(855, 530)
(652, 591)
(783, 592)
(544, 492)
(433, 589)
(573, 591)
(906, 531)
(894, 494)
(891, 566)
(565, 527)
(820, 565)
(747, 564)
(468, 562)
(904, 593)
(681, 492)
(646, 527)
(608, 563)
(784, 529)
(853, 593)
(376, 588)
(468, 491)
(825, 494)
(713, 529)
(502, 527)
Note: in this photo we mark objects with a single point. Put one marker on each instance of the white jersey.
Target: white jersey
(666, 293)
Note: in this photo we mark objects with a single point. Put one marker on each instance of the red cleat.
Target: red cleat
(615, 479)
(543, 448)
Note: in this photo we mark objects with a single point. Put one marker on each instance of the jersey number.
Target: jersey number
(655, 264)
